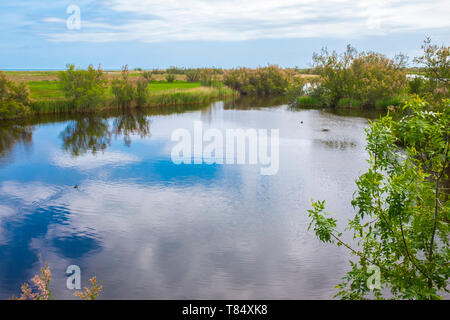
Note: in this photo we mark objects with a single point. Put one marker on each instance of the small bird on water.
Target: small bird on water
(75, 186)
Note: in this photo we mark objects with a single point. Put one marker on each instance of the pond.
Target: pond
(102, 192)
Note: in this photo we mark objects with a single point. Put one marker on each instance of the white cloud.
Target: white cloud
(30, 192)
(91, 161)
(231, 20)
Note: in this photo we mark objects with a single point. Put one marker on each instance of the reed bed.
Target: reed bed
(190, 96)
(171, 97)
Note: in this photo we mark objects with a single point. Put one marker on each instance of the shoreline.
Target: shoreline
(165, 98)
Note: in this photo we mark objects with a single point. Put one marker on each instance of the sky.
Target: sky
(45, 34)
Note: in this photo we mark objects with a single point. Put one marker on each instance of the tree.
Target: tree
(436, 64)
(335, 73)
(401, 224)
(87, 88)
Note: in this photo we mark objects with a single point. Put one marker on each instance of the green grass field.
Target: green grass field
(45, 90)
(163, 86)
(49, 90)
(47, 97)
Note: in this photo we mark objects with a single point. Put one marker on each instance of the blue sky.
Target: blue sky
(221, 33)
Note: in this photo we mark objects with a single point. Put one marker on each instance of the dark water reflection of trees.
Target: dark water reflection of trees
(86, 133)
(94, 134)
(12, 134)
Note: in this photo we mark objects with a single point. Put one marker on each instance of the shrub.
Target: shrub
(170, 78)
(126, 92)
(14, 99)
(193, 75)
(147, 75)
(90, 293)
(122, 89)
(142, 92)
(366, 77)
(86, 88)
(270, 80)
(40, 289)
(417, 85)
(376, 77)
(12, 109)
(296, 89)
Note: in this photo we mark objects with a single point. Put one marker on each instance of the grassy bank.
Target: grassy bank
(44, 94)
(160, 95)
(51, 90)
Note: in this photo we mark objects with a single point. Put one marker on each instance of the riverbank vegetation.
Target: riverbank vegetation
(40, 288)
(14, 98)
(93, 89)
(350, 79)
(355, 79)
(263, 81)
(401, 226)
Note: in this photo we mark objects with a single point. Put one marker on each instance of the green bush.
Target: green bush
(366, 77)
(417, 86)
(170, 78)
(142, 92)
(147, 75)
(14, 99)
(86, 88)
(271, 80)
(12, 109)
(400, 225)
(122, 89)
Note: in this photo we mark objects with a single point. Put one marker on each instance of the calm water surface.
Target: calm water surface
(149, 229)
